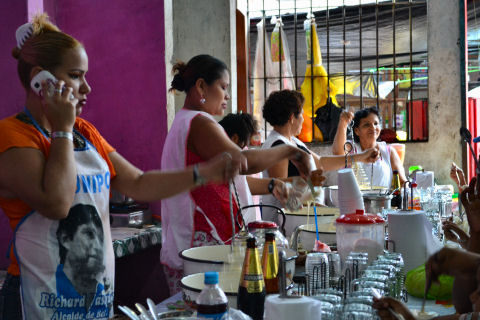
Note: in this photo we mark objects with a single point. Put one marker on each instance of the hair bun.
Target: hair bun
(16, 53)
(178, 83)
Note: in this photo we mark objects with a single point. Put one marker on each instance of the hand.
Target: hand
(280, 191)
(454, 233)
(59, 106)
(458, 176)
(317, 177)
(301, 160)
(223, 167)
(453, 262)
(384, 306)
(345, 118)
(471, 201)
(368, 156)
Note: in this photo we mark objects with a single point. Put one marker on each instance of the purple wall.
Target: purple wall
(13, 13)
(126, 46)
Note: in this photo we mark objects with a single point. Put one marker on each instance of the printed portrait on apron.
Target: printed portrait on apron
(67, 265)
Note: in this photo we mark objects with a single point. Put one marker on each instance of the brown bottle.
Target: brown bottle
(396, 201)
(251, 291)
(270, 264)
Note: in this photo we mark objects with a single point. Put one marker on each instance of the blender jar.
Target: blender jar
(360, 232)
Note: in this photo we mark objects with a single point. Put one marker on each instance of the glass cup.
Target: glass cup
(317, 271)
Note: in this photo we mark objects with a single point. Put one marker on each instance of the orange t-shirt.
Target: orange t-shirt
(18, 134)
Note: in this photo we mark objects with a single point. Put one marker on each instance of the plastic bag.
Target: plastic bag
(415, 285)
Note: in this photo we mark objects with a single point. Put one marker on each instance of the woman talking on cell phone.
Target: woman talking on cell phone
(56, 171)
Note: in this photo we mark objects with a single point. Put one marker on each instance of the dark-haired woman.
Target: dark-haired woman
(283, 111)
(366, 130)
(202, 217)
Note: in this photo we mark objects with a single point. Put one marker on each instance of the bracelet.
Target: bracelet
(198, 180)
(271, 185)
(62, 134)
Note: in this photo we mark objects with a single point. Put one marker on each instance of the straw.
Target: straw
(316, 223)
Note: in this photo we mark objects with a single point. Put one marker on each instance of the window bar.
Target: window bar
(360, 51)
(312, 79)
(344, 62)
(410, 23)
(376, 57)
(295, 39)
(394, 68)
(327, 22)
(280, 47)
(264, 31)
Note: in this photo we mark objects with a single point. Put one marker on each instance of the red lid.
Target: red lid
(359, 217)
(261, 224)
(414, 185)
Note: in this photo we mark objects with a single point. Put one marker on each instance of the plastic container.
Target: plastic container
(360, 232)
(212, 303)
(415, 194)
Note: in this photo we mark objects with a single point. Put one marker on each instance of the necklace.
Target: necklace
(78, 141)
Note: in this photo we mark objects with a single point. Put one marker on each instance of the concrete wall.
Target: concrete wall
(125, 43)
(205, 27)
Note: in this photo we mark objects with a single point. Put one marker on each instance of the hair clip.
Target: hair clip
(23, 32)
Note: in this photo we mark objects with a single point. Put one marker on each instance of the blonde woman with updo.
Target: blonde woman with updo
(56, 171)
(202, 217)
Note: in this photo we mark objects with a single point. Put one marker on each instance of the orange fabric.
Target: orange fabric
(17, 134)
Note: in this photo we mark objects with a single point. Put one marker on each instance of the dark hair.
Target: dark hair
(202, 66)
(46, 48)
(359, 115)
(241, 124)
(281, 104)
(78, 215)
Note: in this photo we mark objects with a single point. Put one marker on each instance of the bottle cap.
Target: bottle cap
(251, 243)
(211, 277)
(395, 171)
(269, 236)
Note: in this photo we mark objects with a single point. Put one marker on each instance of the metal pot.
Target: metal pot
(375, 202)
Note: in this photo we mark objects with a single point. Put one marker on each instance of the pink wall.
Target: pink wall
(125, 43)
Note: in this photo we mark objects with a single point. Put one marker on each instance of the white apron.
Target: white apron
(270, 214)
(178, 211)
(382, 168)
(52, 274)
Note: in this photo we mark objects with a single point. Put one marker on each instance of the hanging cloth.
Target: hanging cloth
(316, 79)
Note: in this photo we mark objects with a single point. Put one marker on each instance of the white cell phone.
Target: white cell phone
(44, 75)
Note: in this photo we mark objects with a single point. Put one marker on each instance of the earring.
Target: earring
(202, 101)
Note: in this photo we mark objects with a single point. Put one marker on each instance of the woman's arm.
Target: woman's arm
(396, 164)
(155, 184)
(47, 185)
(341, 135)
(259, 186)
(207, 140)
(329, 163)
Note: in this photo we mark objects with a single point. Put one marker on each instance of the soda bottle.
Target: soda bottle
(270, 264)
(414, 198)
(396, 190)
(212, 303)
(251, 291)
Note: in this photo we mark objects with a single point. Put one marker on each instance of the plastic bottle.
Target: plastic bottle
(415, 194)
(396, 190)
(270, 263)
(212, 303)
(251, 291)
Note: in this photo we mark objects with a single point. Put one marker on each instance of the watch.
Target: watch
(198, 180)
(271, 185)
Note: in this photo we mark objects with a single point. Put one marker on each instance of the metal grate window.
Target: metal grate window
(372, 53)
